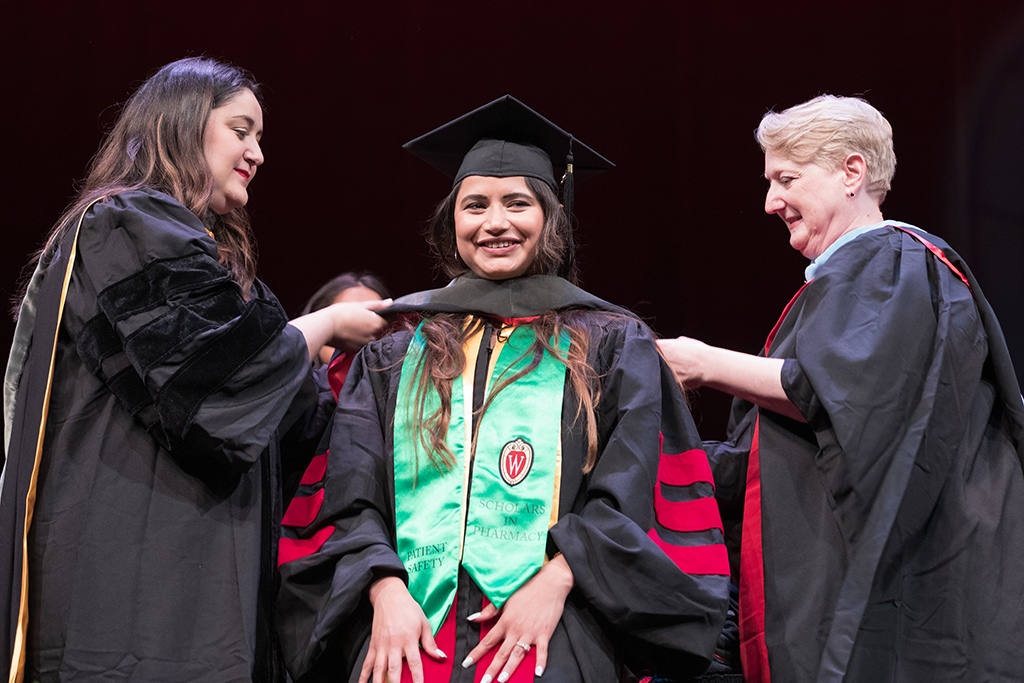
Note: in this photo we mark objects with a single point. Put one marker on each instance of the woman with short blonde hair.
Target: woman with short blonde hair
(877, 439)
(827, 129)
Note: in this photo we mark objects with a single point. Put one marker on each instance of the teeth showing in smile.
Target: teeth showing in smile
(499, 245)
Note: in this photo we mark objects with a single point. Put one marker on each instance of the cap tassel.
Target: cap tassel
(568, 192)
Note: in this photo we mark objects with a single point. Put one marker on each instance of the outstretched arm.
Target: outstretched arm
(751, 378)
(346, 326)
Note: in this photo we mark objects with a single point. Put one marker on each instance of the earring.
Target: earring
(851, 195)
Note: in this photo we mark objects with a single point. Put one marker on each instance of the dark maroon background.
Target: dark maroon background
(670, 91)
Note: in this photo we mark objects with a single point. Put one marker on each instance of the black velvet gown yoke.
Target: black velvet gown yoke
(152, 545)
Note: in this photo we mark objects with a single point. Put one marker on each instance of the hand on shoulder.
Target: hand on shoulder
(356, 323)
(687, 358)
(346, 326)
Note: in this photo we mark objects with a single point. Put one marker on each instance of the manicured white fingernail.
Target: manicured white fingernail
(441, 654)
(473, 617)
(539, 671)
(486, 679)
(502, 677)
(467, 662)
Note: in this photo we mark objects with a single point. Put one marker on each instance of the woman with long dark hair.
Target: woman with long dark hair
(488, 493)
(149, 374)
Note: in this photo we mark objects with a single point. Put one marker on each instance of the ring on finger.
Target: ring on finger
(525, 646)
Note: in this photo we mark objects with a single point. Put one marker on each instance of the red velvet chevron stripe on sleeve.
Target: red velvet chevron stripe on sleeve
(314, 473)
(693, 516)
(302, 510)
(293, 548)
(684, 469)
(695, 559)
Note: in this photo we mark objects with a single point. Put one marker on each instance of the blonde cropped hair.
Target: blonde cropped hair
(826, 130)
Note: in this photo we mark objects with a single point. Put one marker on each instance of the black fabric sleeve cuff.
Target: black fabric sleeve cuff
(798, 387)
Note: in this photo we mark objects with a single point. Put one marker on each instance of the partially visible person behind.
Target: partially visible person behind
(149, 376)
(350, 286)
(872, 469)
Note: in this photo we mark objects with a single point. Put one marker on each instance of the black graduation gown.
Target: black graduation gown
(152, 543)
(630, 602)
(892, 533)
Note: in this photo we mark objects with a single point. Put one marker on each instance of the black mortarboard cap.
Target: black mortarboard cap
(506, 138)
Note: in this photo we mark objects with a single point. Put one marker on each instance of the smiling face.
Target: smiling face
(812, 200)
(231, 144)
(498, 224)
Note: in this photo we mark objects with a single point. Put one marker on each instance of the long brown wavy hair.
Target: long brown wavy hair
(157, 142)
(446, 334)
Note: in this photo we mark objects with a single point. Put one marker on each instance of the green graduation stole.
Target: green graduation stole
(490, 512)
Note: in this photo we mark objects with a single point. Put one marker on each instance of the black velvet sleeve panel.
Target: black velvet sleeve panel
(206, 371)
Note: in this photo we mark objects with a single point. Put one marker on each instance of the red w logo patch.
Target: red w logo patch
(516, 461)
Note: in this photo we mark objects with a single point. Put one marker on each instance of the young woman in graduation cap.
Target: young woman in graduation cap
(513, 486)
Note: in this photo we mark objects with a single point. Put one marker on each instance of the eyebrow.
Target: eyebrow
(511, 195)
(518, 195)
(249, 120)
